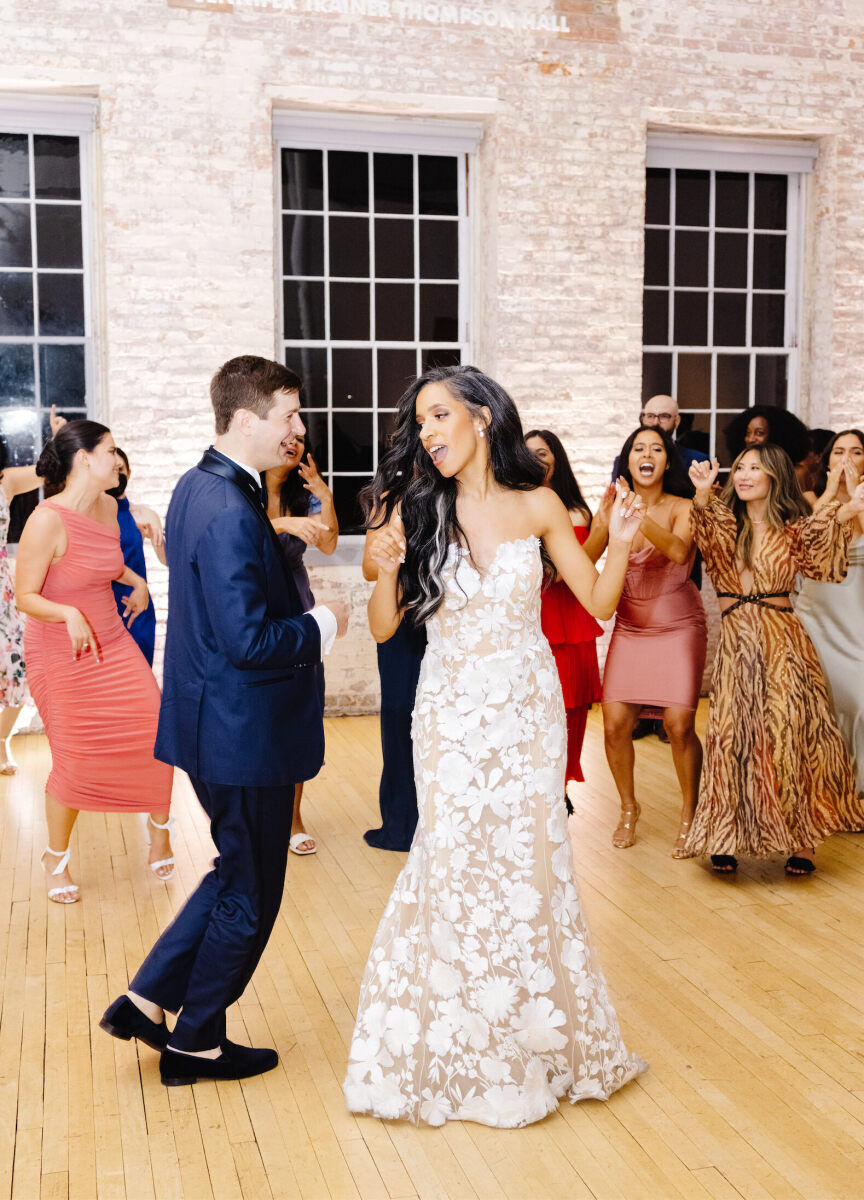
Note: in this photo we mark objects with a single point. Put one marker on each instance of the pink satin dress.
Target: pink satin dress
(100, 717)
(657, 653)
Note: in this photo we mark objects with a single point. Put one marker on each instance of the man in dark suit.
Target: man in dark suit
(241, 714)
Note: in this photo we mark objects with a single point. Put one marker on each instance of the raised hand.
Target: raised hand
(54, 421)
(850, 475)
(627, 515)
(387, 546)
(607, 500)
(312, 480)
(704, 474)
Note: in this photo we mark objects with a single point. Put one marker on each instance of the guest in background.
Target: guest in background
(767, 423)
(300, 507)
(657, 653)
(94, 690)
(811, 475)
(136, 522)
(833, 613)
(661, 412)
(570, 630)
(777, 776)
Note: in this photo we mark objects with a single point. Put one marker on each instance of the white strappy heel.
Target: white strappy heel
(162, 862)
(70, 894)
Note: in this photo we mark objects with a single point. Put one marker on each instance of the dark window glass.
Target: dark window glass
(439, 312)
(62, 376)
(655, 318)
(656, 375)
(348, 185)
(303, 179)
(57, 168)
(730, 319)
(349, 247)
(771, 371)
(694, 381)
(691, 197)
(723, 419)
(691, 259)
(310, 363)
(14, 165)
(657, 196)
(394, 183)
(58, 235)
(19, 430)
(437, 176)
(316, 437)
(71, 414)
(394, 312)
(348, 511)
(304, 310)
(16, 305)
(396, 370)
(61, 305)
(15, 250)
(352, 441)
(445, 357)
(657, 257)
(768, 320)
(731, 190)
(302, 245)
(769, 261)
(349, 312)
(17, 376)
(439, 250)
(733, 381)
(771, 193)
(691, 318)
(730, 260)
(352, 378)
(386, 425)
(394, 249)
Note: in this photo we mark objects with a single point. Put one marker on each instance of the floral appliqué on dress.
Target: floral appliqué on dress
(13, 682)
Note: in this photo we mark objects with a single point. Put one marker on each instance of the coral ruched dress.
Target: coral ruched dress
(100, 717)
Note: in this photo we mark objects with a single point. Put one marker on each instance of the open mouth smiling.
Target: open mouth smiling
(437, 453)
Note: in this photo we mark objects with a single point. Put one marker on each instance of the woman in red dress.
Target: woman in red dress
(91, 683)
(569, 629)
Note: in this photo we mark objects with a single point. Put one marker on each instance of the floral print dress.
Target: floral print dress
(481, 999)
(13, 682)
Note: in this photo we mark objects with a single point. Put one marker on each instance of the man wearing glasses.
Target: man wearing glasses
(663, 411)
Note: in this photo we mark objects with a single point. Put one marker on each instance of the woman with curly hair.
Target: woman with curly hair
(767, 423)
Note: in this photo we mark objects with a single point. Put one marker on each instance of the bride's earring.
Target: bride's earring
(482, 433)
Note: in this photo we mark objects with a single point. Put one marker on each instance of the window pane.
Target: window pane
(304, 310)
(394, 183)
(657, 256)
(691, 259)
(352, 378)
(14, 165)
(396, 370)
(439, 312)
(768, 320)
(694, 381)
(58, 235)
(349, 312)
(17, 376)
(730, 319)
(61, 305)
(730, 260)
(19, 429)
(349, 247)
(302, 245)
(394, 249)
(731, 190)
(348, 511)
(352, 441)
(316, 437)
(15, 249)
(394, 312)
(57, 168)
(655, 318)
(62, 376)
(656, 375)
(437, 177)
(386, 425)
(694, 432)
(71, 414)
(771, 191)
(310, 363)
(348, 187)
(720, 449)
(769, 261)
(691, 319)
(691, 197)
(439, 250)
(303, 179)
(657, 196)
(771, 373)
(16, 304)
(441, 358)
(733, 381)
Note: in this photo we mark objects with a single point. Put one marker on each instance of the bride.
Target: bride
(481, 999)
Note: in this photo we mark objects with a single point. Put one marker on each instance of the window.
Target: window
(373, 252)
(721, 303)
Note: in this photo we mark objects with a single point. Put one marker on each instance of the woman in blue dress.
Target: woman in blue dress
(137, 522)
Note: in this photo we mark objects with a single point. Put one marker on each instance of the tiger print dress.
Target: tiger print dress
(777, 775)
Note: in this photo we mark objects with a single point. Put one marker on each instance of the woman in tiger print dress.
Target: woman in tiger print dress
(777, 775)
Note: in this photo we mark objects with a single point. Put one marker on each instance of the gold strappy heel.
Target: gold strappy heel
(621, 840)
(678, 850)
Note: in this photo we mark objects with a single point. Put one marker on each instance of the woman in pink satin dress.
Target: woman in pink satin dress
(657, 654)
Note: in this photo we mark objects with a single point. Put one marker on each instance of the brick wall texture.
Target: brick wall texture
(184, 209)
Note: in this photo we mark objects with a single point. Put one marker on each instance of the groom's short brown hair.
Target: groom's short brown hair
(248, 382)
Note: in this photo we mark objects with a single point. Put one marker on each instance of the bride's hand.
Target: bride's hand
(387, 547)
(627, 515)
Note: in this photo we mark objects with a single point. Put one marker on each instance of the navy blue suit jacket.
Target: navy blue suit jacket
(241, 704)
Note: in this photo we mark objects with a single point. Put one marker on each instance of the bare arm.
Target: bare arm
(43, 541)
(674, 543)
(595, 543)
(386, 551)
(315, 485)
(148, 522)
(18, 480)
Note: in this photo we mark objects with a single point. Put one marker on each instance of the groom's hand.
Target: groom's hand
(339, 610)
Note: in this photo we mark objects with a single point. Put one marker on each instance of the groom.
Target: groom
(241, 713)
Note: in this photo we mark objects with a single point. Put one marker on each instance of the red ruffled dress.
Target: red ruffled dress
(572, 633)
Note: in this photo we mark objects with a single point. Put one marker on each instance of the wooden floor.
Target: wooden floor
(746, 996)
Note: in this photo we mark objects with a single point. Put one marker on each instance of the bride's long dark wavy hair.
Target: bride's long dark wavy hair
(407, 476)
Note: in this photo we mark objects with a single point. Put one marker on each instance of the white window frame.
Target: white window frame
(304, 130)
(792, 158)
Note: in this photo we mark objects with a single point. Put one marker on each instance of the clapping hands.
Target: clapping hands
(627, 513)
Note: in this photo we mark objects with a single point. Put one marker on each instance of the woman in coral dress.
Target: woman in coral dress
(91, 684)
(778, 778)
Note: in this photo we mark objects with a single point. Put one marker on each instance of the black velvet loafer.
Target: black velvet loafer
(235, 1062)
(125, 1020)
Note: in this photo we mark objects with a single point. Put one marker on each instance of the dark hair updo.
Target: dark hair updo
(55, 461)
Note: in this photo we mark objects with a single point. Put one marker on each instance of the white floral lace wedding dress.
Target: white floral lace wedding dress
(481, 999)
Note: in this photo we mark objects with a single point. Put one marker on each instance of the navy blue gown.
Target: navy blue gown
(143, 628)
